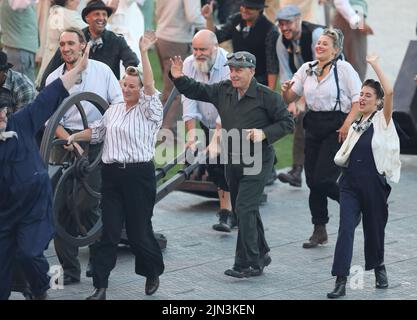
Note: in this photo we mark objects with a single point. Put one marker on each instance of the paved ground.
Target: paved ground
(196, 255)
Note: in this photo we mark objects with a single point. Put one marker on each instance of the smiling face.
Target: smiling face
(71, 48)
(368, 100)
(290, 29)
(130, 88)
(241, 77)
(325, 49)
(97, 21)
(249, 14)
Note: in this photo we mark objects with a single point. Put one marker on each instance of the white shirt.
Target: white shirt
(97, 78)
(321, 96)
(204, 111)
(129, 136)
(385, 147)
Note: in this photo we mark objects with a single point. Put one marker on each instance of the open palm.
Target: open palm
(147, 40)
(176, 66)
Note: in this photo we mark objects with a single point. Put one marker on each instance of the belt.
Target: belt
(119, 165)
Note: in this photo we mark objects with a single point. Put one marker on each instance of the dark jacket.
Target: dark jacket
(260, 41)
(259, 108)
(114, 50)
(23, 175)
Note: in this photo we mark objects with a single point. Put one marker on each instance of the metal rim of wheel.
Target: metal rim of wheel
(71, 224)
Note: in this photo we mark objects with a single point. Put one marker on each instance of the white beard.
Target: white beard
(203, 66)
(4, 135)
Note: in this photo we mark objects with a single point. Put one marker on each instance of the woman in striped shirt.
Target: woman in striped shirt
(129, 132)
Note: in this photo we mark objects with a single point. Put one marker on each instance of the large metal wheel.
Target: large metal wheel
(69, 176)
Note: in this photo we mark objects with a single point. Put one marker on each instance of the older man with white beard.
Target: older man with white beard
(207, 64)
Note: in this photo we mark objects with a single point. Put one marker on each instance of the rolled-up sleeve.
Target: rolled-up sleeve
(98, 130)
(152, 106)
(299, 78)
(353, 82)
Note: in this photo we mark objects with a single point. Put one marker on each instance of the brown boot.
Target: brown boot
(319, 237)
(293, 177)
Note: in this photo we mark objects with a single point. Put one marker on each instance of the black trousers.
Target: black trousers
(245, 193)
(128, 198)
(321, 145)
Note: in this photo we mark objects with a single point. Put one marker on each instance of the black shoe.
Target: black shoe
(89, 270)
(238, 272)
(339, 289)
(293, 177)
(254, 272)
(99, 294)
(27, 294)
(222, 226)
(151, 285)
(68, 280)
(381, 278)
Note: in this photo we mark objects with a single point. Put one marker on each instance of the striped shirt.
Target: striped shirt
(129, 136)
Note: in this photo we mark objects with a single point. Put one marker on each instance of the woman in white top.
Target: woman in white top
(369, 155)
(129, 132)
(331, 89)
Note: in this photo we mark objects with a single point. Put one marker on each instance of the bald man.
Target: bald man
(207, 65)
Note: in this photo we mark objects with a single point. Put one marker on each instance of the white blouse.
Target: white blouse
(385, 147)
(129, 136)
(321, 96)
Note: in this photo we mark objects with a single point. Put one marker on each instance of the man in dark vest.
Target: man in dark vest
(295, 46)
(250, 31)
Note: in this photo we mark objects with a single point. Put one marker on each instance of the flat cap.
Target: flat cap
(288, 12)
(241, 59)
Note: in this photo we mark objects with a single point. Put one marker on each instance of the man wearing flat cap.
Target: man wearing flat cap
(14, 86)
(295, 46)
(106, 46)
(260, 116)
